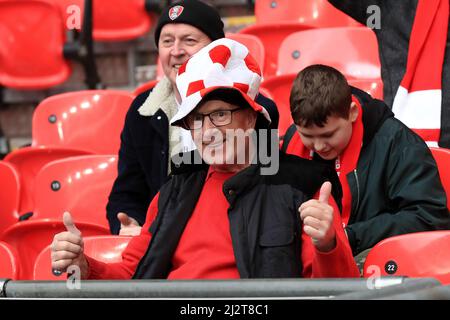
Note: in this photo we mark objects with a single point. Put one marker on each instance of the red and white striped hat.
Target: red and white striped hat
(223, 63)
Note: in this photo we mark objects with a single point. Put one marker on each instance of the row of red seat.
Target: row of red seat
(419, 255)
(29, 64)
(285, 48)
(41, 61)
(103, 248)
(80, 185)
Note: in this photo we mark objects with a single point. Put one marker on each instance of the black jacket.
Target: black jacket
(264, 222)
(397, 18)
(143, 160)
(396, 187)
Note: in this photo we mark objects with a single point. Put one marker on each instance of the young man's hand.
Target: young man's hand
(67, 249)
(317, 217)
(128, 225)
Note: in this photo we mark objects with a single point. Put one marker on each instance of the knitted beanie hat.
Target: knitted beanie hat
(195, 13)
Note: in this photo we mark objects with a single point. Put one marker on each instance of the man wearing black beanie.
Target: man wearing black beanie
(147, 140)
(195, 13)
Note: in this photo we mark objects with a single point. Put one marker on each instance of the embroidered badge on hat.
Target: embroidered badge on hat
(175, 12)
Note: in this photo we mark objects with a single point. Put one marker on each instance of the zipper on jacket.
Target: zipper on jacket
(357, 188)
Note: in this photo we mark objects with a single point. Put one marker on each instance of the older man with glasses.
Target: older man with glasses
(148, 141)
(223, 218)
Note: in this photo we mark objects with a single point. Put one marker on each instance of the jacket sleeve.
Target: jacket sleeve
(355, 9)
(130, 257)
(337, 263)
(130, 193)
(414, 191)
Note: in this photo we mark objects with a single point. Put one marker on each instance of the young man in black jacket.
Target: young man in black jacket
(147, 140)
(389, 178)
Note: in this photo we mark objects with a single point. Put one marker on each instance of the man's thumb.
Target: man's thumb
(123, 218)
(68, 223)
(325, 191)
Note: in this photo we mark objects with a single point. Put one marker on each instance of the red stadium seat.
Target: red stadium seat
(9, 195)
(280, 89)
(80, 185)
(106, 249)
(272, 35)
(442, 157)
(28, 162)
(418, 255)
(353, 51)
(29, 238)
(144, 87)
(32, 40)
(317, 13)
(113, 20)
(9, 264)
(85, 120)
(253, 44)
(374, 87)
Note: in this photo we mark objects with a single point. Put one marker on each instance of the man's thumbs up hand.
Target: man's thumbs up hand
(67, 248)
(317, 217)
(325, 192)
(70, 226)
(128, 225)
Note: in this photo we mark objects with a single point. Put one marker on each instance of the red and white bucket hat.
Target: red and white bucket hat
(223, 63)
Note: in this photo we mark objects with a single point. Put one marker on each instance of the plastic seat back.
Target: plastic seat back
(9, 195)
(272, 35)
(317, 13)
(28, 162)
(113, 20)
(118, 20)
(106, 249)
(80, 185)
(280, 89)
(29, 238)
(253, 44)
(89, 120)
(9, 263)
(145, 87)
(353, 51)
(32, 37)
(422, 254)
(442, 157)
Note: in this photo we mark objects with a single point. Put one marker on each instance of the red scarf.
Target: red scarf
(345, 163)
(418, 101)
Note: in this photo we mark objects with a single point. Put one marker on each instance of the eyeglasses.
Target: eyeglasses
(218, 118)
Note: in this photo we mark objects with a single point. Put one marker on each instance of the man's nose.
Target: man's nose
(209, 130)
(207, 124)
(319, 145)
(178, 49)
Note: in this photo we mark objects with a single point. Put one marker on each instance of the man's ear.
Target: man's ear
(354, 112)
